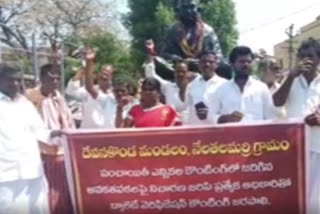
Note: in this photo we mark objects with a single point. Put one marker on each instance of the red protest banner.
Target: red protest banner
(221, 170)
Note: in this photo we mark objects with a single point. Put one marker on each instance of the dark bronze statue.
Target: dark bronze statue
(187, 38)
(190, 35)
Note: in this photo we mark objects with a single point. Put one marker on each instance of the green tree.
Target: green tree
(221, 15)
(112, 51)
(150, 19)
(109, 51)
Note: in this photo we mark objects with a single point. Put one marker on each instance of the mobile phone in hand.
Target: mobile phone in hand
(201, 110)
(200, 105)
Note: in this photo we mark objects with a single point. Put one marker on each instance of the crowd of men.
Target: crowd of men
(31, 122)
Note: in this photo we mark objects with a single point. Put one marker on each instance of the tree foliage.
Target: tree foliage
(150, 19)
(13, 14)
(110, 50)
(221, 15)
(52, 19)
(75, 22)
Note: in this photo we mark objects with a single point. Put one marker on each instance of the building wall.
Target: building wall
(281, 52)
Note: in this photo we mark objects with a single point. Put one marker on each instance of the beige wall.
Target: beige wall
(281, 49)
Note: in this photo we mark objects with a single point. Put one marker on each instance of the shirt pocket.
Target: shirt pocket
(253, 105)
(229, 104)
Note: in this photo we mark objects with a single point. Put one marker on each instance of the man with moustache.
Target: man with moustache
(23, 186)
(92, 112)
(243, 98)
(306, 82)
(301, 80)
(174, 92)
(56, 115)
(198, 90)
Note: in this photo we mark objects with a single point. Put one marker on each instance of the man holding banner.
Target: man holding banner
(23, 186)
(311, 52)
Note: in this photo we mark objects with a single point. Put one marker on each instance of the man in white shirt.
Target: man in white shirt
(114, 107)
(270, 74)
(92, 112)
(200, 87)
(293, 92)
(174, 92)
(23, 187)
(312, 113)
(242, 98)
(311, 108)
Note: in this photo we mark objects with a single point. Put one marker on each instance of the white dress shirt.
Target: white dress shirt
(94, 113)
(169, 89)
(298, 95)
(99, 113)
(198, 91)
(312, 105)
(255, 102)
(21, 128)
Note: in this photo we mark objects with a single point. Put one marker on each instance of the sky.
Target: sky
(262, 23)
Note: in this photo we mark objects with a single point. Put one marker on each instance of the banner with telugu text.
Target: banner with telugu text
(220, 170)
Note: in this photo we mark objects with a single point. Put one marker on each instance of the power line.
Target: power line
(278, 19)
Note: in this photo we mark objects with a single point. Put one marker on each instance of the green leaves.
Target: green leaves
(110, 50)
(221, 15)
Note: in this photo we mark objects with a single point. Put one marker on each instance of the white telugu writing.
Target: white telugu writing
(207, 171)
(218, 187)
(125, 205)
(144, 172)
(257, 167)
(118, 189)
(165, 204)
(211, 202)
(274, 184)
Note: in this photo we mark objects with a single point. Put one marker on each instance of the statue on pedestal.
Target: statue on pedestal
(187, 38)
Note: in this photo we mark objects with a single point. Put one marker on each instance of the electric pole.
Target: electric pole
(289, 32)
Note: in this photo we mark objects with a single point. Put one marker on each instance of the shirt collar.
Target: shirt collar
(249, 82)
(3, 96)
(215, 78)
(6, 98)
(304, 82)
(109, 91)
(55, 94)
(317, 78)
(275, 86)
